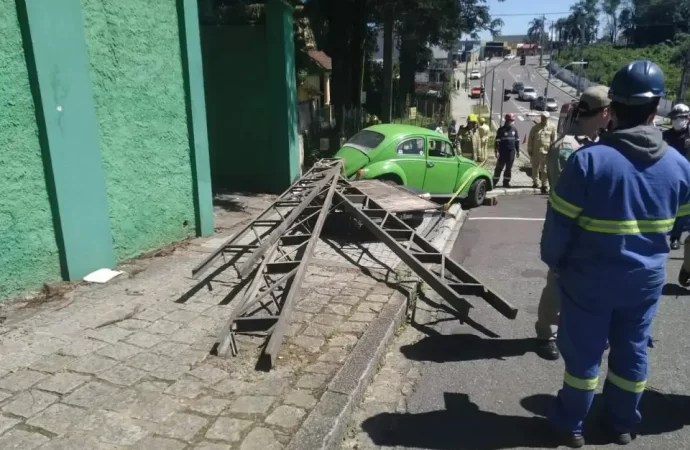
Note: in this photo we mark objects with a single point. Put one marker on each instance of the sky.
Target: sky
(518, 13)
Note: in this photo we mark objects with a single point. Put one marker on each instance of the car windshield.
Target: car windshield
(551, 100)
(365, 140)
(529, 90)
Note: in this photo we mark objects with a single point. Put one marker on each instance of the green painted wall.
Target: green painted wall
(28, 249)
(138, 86)
(237, 106)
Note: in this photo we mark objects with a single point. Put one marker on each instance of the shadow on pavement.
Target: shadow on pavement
(674, 290)
(438, 347)
(463, 425)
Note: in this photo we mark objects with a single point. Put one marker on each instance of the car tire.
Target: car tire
(393, 180)
(477, 193)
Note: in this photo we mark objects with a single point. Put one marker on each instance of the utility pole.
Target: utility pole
(541, 41)
(493, 96)
(503, 93)
(387, 104)
(550, 68)
(684, 78)
(582, 56)
(483, 83)
(467, 67)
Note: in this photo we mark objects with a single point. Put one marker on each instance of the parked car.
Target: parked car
(527, 93)
(475, 75)
(545, 104)
(414, 157)
(517, 87)
(476, 92)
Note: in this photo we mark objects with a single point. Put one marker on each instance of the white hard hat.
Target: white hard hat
(679, 110)
(545, 114)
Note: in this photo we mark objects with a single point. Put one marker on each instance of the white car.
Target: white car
(527, 93)
(475, 75)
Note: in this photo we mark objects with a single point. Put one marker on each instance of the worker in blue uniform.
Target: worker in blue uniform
(605, 239)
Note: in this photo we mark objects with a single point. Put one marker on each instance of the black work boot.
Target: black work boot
(547, 349)
(622, 438)
(684, 277)
(675, 244)
(506, 184)
(535, 185)
(544, 190)
(572, 440)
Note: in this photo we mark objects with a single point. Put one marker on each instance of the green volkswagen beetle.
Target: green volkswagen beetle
(416, 157)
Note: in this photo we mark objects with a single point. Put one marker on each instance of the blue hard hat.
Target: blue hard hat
(637, 83)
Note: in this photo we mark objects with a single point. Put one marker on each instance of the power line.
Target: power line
(530, 14)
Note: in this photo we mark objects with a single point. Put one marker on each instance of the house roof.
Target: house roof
(320, 58)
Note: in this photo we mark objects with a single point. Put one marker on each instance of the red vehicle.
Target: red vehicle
(476, 92)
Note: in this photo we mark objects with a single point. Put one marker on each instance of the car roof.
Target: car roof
(528, 87)
(394, 130)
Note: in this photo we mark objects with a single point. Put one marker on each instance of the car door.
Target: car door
(410, 157)
(441, 167)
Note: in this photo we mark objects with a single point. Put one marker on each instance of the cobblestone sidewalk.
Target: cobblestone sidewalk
(127, 365)
(522, 171)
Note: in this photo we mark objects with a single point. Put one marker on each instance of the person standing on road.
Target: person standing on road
(469, 138)
(587, 118)
(484, 132)
(540, 138)
(507, 147)
(678, 137)
(605, 240)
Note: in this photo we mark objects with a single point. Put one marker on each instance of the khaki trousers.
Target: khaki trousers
(539, 169)
(549, 309)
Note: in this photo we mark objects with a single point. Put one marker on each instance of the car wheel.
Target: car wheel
(477, 193)
(390, 179)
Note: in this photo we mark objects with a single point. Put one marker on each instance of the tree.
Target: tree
(610, 8)
(535, 32)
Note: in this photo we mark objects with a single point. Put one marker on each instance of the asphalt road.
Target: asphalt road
(483, 388)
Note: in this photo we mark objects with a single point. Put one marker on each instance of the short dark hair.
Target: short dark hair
(633, 115)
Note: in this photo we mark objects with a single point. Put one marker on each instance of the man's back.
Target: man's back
(559, 153)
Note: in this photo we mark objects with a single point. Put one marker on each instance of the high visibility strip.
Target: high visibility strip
(683, 211)
(625, 226)
(562, 206)
(584, 384)
(635, 387)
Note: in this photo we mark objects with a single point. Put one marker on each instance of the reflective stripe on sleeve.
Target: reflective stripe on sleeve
(635, 387)
(625, 226)
(684, 210)
(562, 206)
(583, 384)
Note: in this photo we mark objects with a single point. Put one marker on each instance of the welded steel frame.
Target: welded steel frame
(449, 279)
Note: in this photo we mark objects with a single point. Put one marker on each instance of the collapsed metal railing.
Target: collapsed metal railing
(285, 236)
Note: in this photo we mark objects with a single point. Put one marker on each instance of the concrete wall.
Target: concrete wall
(28, 249)
(138, 85)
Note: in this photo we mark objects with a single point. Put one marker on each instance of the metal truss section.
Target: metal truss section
(267, 303)
(267, 228)
(445, 276)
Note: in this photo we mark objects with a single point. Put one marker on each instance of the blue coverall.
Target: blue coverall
(605, 238)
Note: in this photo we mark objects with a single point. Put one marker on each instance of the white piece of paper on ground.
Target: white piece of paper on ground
(101, 276)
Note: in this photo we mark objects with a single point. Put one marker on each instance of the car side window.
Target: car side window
(440, 149)
(414, 146)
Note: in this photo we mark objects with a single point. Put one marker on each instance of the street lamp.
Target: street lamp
(548, 80)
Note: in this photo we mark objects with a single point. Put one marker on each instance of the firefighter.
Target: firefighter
(678, 137)
(469, 137)
(604, 239)
(507, 147)
(591, 113)
(484, 132)
(540, 138)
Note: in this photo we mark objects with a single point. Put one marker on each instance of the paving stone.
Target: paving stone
(122, 375)
(171, 349)
(187, 334)
(181, 316)
(338, 309)
(334, 355)
(353, 291)
(171, 371)
(294, 329)
(63, 382)
(208, 405)
(21, 440)
(144, 405)
(185, 388)
(205, 323)
(182, 426)
(251, 404)
(29, 403)
(91, 395)
(198, 306)
(144, 339)
(318, 330)
(134, 324)
(150, 314)
(119, 351)
(321, 367)
(159, 443)
(261, 439)
(82, 347)
(110, 334)
(192, 357)
(286, 416)
(310, 344)
(227, 429)
(147, 361)
(163, 327)
(57, 418)
(92, 364)
(113, 428)
(368, 307)
(212, 446)
(6, 423)
(53, 363)
(363, 317)
(349, 300)
(232, 386)
(309, 307)
(209, 374)
(21, 380)
(154, 386)
(4, 396)
(343, 340)
(311, 381)
(271, 386)
(353, 327)
(328, 319)
(378, 298)
(300, 317)
(301, 398)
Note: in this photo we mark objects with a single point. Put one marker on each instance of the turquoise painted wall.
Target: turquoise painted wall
(138, 85)
(237, 105)
(28, 249)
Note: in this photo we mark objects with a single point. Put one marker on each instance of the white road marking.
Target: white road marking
(507, 218)
(494, 123)
(521, 118)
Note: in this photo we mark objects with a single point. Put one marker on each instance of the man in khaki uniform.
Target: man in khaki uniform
(469, 138)
(484, 132)
(541, 137)
(589, 116)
